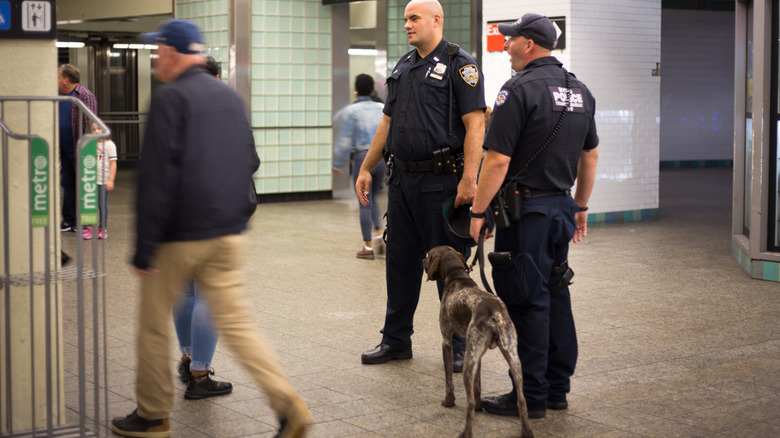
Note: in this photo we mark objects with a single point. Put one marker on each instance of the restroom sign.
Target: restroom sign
(28, 19)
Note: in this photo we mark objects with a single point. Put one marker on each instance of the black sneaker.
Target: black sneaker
(64, 226)
(184, 369)
(135, 426)
(206, 388)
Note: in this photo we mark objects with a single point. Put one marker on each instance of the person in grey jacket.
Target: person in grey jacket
(195, 196)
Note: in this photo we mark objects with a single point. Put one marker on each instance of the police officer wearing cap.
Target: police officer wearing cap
(434, 149)
(535, 155)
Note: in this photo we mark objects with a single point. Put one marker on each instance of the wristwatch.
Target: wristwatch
(474, 214)
(585, 208)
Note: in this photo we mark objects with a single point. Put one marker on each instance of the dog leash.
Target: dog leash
(479, 257)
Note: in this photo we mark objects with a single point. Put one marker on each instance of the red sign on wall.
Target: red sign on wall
(495, 41)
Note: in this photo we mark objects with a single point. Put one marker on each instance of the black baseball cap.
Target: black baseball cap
(534, 27)
(182, 35)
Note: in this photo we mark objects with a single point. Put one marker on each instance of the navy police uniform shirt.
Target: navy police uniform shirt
(527, 110)
(418, 101)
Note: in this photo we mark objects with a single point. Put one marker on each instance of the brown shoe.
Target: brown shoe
(367, 254)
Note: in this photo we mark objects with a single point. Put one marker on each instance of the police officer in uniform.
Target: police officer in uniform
(533, 277)
(434, 152)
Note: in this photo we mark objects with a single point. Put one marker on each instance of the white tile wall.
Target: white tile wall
(697, 89)
(612, 45)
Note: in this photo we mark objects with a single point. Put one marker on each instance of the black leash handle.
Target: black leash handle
(479, 257)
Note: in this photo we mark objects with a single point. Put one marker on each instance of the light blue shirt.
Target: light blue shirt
(358, 126)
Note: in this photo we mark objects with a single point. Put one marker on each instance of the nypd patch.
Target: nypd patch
(559, 96)
(503, 95)
(470, 74)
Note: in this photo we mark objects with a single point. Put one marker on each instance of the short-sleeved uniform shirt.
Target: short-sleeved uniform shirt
(527, 110)
(418, 101)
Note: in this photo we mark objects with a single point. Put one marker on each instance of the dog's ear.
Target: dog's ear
(431, 266)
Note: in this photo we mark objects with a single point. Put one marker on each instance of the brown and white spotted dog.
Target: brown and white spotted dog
(482, 319)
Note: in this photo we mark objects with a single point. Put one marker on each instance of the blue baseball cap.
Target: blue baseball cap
(182, 35)
(534, 27)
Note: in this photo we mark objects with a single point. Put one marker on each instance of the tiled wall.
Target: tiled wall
(212, 17)
(457, 27)
(291, 94)
(697, 91)
(612, 45)
(291, 87)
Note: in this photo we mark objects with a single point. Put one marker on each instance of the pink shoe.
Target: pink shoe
(102, 234)
(367, 254)
(87, 233)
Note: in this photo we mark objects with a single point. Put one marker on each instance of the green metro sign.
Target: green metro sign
(89, 184)
(39, 182)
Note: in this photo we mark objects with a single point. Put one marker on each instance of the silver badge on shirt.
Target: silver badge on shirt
(438, 71)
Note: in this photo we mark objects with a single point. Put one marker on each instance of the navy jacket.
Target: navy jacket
(527, 110)
(197, 161)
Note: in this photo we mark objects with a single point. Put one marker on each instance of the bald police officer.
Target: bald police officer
(534, 277)
(434, 152)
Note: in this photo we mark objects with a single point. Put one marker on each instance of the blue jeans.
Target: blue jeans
(103, 206)
(194, 328)
(369, 215)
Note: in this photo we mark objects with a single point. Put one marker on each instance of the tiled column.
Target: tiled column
(290, 86)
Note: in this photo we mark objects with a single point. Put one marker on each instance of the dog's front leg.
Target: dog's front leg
(446, 350)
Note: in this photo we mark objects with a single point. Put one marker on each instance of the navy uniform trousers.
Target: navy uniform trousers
(547, 340)
(415, 224)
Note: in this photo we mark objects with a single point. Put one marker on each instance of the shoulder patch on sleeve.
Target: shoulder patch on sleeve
(502, 97)
(470, 74)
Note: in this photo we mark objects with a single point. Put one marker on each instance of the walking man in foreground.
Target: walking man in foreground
(195, 196)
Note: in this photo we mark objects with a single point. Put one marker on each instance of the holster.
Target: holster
(445, 162)
(507, 205)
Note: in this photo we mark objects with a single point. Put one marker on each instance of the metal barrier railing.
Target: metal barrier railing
(47, 281)
(126, 132)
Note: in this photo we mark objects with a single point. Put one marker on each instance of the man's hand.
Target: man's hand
(476, 227)
(363, 186)
(581, 218)
(466, 190)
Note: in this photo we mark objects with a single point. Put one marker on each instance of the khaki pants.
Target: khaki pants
(216, 265)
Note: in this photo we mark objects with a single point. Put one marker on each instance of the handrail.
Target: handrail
(14, 135)
(73, 100)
